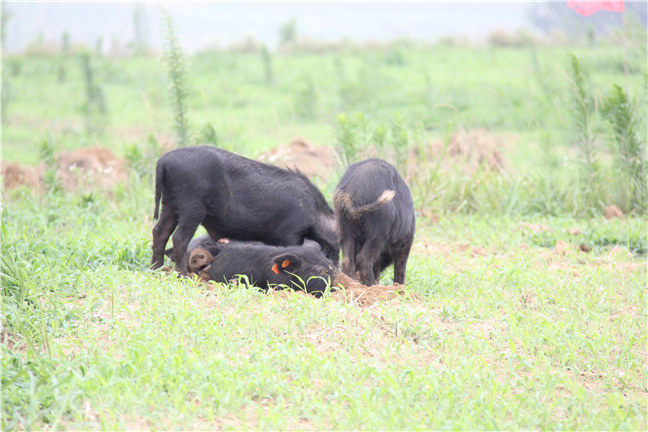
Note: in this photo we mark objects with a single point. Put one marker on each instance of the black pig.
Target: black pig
(303, 267)
(207, 246)
(375, 217)
(238, 198)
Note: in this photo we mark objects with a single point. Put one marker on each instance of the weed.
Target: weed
(288, 32)
(50, 178)
(208, 135)
(349, 130)
(629, 150)
(400, 142)
(305, 100)
(583, 106)
(95, 112)
(176, 63)
(267, 65)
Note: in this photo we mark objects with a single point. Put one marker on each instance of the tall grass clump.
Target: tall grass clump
(629, 150)
(46, 156)
(348, 134)
(95, 112)
(400, 142)
(63, 58)
(176, 63)
(583, 108)
(267, 65)
(305, 100)
(288, 32)
(208, 135)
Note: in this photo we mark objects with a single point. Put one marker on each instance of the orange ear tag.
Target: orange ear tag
(275, 268)
(285, 264)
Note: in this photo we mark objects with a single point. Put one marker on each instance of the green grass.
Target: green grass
(502, 90)
(504, 330)
(503, 333)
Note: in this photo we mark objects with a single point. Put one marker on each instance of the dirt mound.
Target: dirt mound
(93, 166)
(478, 147)
(353, 291)
(612, 211)
(15, 175)
(472, 148)
(312, 160)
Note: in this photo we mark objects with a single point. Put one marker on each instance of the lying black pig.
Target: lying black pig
(302, 267)
(200, 251)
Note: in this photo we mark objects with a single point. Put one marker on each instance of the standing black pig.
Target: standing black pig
(376, 221)
(303, 267)
(238, 198)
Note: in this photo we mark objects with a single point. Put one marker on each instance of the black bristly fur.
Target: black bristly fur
(237, 198)
(376, 220)
(308, 269)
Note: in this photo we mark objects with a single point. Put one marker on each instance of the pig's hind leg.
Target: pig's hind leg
(161, 233)
(366, 259)
(187, 226)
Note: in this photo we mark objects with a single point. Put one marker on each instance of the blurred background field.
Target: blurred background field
(520, 128)
(512, 92)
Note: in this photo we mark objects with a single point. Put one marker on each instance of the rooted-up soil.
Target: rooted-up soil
(16, 175)
(342, 285)
(311, 160)
(91, 168)
(472, 149)
(353, 291)
(94, 166)
(612, 211)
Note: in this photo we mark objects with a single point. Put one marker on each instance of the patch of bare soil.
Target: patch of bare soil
(15, 175)
(473, 149)
(562, 247)
(13, 341)
(94, 167)
(535, 227)
(612, 211)
(353, 291)
(437, 248)
(312, 160)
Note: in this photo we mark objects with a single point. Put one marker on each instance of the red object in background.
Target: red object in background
(587, 8)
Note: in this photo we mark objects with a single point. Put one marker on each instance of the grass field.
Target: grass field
(508, 323)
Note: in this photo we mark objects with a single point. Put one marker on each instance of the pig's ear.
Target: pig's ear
(311, 244)
(286, 262)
